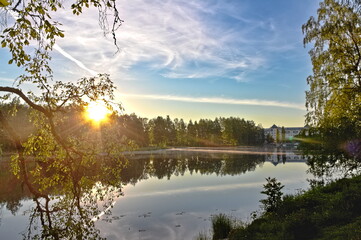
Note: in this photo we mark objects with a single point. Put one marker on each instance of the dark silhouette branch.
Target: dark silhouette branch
(26, 99)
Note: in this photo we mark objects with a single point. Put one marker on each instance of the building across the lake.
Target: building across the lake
(289, 132)
(279, 157)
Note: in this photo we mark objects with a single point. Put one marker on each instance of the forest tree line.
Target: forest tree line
(159, 131)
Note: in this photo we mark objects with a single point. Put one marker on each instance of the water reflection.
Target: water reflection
(327, 166)
(72, 209)
(163, 166)
(61, 211)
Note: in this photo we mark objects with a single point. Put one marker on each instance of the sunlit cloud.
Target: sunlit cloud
(216, 100)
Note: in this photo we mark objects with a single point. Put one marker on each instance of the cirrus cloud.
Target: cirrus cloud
(218, 100)
(179, 39)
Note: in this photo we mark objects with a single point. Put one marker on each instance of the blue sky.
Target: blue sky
(194, 59)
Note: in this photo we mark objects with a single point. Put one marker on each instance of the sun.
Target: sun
(97, 112)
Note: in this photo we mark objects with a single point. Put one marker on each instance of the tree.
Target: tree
(277, 135)
(171, 132)
(160, 131)
(216, 131)
(192, 133)
(269, 138)
(283, 131)
(133, 128)
(181, 131)
(60, 157)
(274, 195)
(333, 100)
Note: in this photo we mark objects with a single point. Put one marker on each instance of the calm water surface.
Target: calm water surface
(172, 194)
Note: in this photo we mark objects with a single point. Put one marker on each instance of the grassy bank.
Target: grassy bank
(329, 212)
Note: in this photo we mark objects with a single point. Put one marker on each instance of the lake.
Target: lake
(172, 194)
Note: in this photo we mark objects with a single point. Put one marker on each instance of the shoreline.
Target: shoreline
(248, 150)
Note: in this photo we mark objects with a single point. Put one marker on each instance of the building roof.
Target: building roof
(274, 126)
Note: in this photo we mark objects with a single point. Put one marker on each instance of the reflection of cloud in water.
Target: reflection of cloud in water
(206, 188)
(181, 207)
(103, 212)
(167, 229)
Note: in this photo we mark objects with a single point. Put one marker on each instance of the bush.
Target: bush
(274, 195)
(202, 236)
(222, 226)
(238, 233)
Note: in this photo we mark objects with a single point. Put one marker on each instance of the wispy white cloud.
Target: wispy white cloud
(7, 80)
(177, 38)
(59, 49)
(217, 100)
(76, 61)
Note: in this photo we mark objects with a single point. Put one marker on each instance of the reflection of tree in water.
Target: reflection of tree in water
(329, 162)
(69, 210)
(1, 211)
(70, 216)
(164, 166)
(328, 165)
(12, 192)
(66, 210)
(68, 178)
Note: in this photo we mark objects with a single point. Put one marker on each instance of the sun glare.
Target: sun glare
(97, 112)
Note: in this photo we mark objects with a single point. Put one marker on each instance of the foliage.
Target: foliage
(329, 212)
(269, 138)
(333, 100)
(274, 195)
(202, 236)
(18, 115)
(60, 146)
(278, 139)
(162, 131)
(133, 128)
(154, 132)
(283, 132)
(221, 226)
(237, 131)
(181, 132)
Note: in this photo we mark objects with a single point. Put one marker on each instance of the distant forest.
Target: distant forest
(143, 132)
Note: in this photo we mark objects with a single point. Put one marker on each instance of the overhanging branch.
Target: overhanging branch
(26, 99)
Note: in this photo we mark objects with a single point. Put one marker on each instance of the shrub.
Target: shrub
(202, 236)
(274, 195)
(221, 225)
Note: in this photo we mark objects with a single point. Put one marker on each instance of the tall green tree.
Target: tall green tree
(29, 32)
(283, 131)
(133, 128)
(277, 135)
(333, 100)
(192, 132)
(181, 132)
